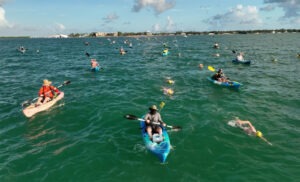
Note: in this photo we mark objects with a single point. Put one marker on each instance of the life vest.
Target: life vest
(48, 91)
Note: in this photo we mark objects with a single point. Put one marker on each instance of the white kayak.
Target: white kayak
(32, 109)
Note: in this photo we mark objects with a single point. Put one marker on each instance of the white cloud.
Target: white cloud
(290, 7)
(170, 24)
(168, 27)
(239, 17)
(269, 7)
(3, 22)
(158, 6)
(156, 27)
(3, 1)
(111, 17)
(60, 27)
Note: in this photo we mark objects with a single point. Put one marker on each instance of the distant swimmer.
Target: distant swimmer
(298, 55)
(122, 51)
(87, 54)
(248, 128)
(216, 45)
(94, 63)
(170, 81)
(201, 66)
(168, 91)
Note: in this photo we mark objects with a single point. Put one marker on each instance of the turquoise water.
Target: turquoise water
(84, 137)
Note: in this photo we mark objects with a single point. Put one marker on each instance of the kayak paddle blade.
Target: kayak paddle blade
(210, 68)
(131, 117)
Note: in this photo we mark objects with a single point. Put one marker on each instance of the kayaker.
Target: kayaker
(240, 57)
(154, 122)
(219, 76)
(94, 63)
(47, 92)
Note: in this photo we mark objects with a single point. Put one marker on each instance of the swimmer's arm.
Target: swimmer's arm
(248, 123)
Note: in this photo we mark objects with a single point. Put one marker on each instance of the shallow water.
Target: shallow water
(85, 137)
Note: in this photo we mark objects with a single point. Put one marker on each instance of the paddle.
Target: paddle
(27, 102)
(210, 68)
(161, 105)
(133, 117)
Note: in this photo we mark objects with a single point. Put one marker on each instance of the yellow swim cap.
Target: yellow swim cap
(170, 91)
(170, 81)
(259, 134)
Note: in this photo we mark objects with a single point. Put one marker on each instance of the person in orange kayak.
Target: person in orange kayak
(47, 92)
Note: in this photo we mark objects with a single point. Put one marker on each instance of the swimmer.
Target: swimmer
(248, 128)
(170, 81)
(201, 66)
(168, 91)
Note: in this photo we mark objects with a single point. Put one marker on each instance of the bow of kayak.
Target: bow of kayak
(161, 149)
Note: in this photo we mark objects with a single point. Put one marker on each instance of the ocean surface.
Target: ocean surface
(85, 137)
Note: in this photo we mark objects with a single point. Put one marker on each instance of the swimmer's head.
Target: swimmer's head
(171, 81)
(170, 91)
(259, 134)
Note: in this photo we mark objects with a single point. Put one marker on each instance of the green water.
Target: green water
(84, 137)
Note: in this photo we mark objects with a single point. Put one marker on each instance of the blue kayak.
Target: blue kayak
(230, 84)
(161, 149)
(96, 69)
(241, 62)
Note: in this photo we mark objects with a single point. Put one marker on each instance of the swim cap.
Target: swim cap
(170, 91)
(171, 81)
(259, 134)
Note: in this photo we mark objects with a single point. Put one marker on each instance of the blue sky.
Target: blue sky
(44, 17)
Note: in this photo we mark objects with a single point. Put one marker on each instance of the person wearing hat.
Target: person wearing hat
(153, 122)
(47, 92)
(219, 76)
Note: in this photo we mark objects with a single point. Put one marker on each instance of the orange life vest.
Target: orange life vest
(48, 91)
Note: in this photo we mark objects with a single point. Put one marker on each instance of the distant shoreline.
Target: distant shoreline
(178, 33)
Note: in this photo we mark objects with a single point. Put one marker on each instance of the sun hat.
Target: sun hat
(46, 82)
(153, 107)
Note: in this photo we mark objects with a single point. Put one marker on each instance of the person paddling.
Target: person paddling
(46, 93)
(153, 122)
(219, 76)
(240, 56)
